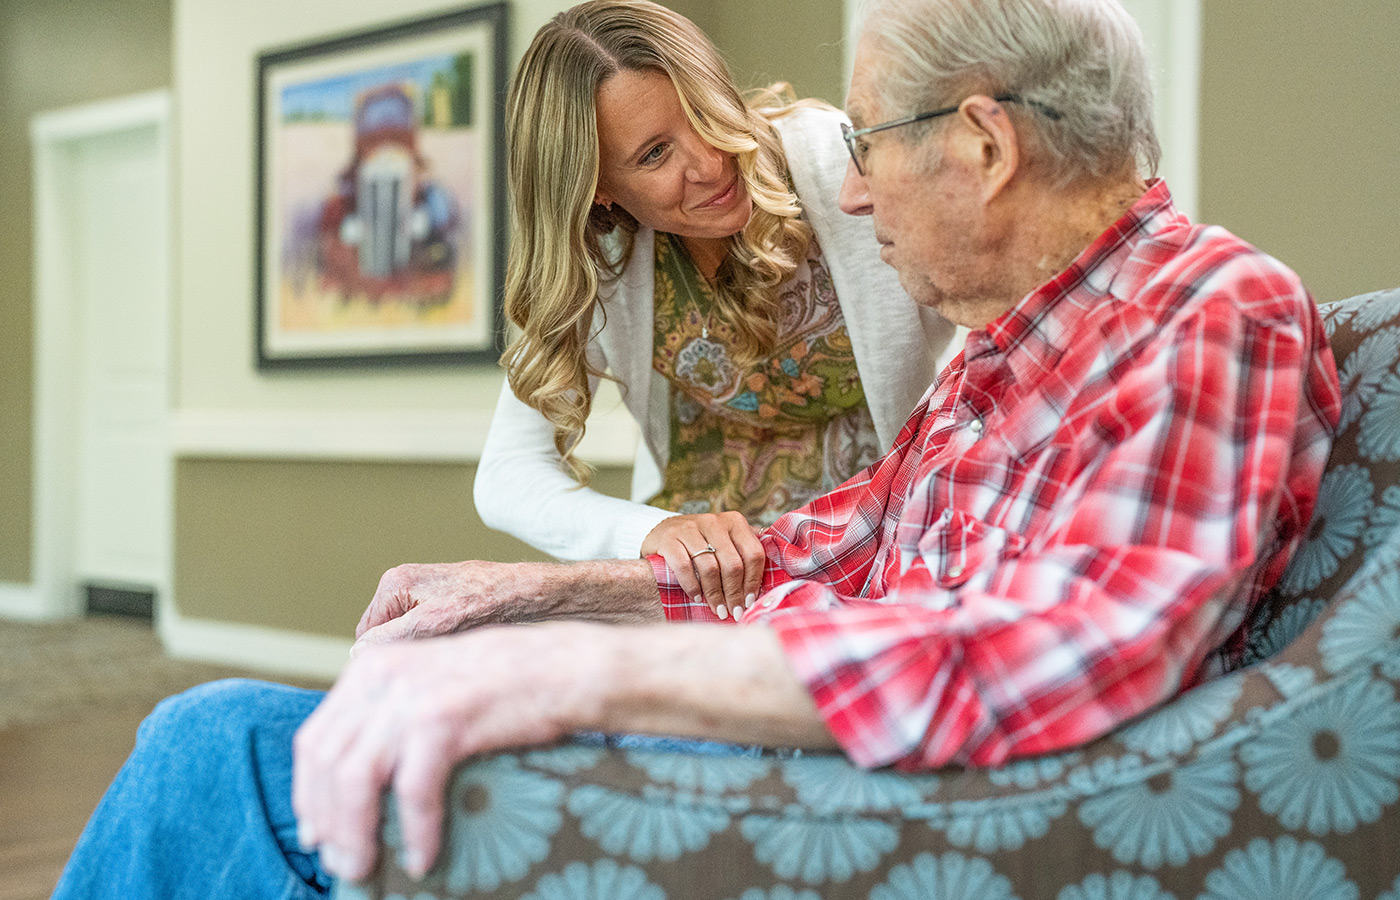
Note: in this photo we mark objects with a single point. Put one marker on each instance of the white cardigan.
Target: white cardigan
(521, 487)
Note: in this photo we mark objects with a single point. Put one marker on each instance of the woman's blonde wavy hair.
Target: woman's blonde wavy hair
(562, 244)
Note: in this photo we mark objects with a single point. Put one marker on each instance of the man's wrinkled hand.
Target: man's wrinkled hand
(403, 715)
(427, 600)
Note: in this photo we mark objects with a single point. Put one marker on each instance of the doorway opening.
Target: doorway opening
(102, 396)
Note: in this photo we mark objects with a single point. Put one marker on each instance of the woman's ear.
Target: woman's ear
(603, 200)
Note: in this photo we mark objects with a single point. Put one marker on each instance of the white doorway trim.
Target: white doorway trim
(54, 593)
(1178, 59)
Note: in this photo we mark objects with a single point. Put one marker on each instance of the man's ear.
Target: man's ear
(996, 145)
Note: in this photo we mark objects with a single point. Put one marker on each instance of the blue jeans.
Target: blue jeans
(203, 807)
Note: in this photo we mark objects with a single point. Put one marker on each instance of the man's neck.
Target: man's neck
(1045, 230)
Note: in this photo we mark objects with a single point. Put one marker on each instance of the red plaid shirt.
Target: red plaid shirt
(1079, 513)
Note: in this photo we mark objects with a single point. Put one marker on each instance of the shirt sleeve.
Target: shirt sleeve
(1210, 451)
(522, 488)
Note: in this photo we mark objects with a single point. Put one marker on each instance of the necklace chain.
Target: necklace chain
(691, 289)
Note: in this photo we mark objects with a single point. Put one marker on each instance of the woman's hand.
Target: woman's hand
(717, 557)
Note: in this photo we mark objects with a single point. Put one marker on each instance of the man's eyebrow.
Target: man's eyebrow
(856, 111)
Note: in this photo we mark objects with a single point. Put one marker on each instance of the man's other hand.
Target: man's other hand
(402, 715)
(425, 600)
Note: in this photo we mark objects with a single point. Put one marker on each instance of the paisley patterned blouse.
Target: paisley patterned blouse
(769, 438)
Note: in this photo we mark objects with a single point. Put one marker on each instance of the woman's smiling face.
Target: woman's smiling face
(653, 163)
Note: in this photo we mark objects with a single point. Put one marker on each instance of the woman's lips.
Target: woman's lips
(724, 197)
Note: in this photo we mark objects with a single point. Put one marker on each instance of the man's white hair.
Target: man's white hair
(1080, 65)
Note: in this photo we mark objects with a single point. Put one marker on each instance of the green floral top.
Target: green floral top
(769, 438)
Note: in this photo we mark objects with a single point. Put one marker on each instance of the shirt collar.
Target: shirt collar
(1044, 320)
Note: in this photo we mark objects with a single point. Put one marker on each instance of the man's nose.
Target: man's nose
(854, 198)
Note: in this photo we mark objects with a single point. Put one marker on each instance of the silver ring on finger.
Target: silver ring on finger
(709, 548)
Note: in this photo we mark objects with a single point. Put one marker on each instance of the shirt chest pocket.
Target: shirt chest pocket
(961, 551)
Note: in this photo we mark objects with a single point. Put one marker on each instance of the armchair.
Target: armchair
(1279, 780)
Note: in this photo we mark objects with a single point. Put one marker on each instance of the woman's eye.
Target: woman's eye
(653, 155)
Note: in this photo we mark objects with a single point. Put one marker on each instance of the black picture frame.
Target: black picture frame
(380, 195)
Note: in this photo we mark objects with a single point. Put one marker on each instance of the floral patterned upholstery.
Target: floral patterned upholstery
(1279, 780)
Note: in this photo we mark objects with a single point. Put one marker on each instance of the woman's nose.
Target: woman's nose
(706, 161)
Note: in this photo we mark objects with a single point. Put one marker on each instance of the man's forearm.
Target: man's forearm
(423, 600)
(609, 591)
(615, 591)
(704, 681)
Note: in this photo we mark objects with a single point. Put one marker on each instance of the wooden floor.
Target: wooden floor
(71, 698)
(51, 778)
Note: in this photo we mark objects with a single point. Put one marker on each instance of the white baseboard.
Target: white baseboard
(23, 603)
(271, 651)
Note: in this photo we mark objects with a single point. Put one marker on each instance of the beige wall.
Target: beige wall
(797, 41)
(301, 545)
(1300, 135)
(52, 55)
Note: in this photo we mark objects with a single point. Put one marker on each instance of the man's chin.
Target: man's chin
(922, 291)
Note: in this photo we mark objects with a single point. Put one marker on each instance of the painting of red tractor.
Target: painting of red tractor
(377, 208)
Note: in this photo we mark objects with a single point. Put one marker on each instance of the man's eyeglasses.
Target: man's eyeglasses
(852, 136)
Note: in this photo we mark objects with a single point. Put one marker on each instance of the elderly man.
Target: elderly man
(1070, 529)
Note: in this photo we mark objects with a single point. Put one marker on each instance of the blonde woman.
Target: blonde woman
(669, 235)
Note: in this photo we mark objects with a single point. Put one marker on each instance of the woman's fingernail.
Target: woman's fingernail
(749, 599)
(415, 864)
(332, 859)
(722, 611)
(306, 838)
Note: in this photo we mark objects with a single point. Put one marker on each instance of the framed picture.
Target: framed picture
(381, 195)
